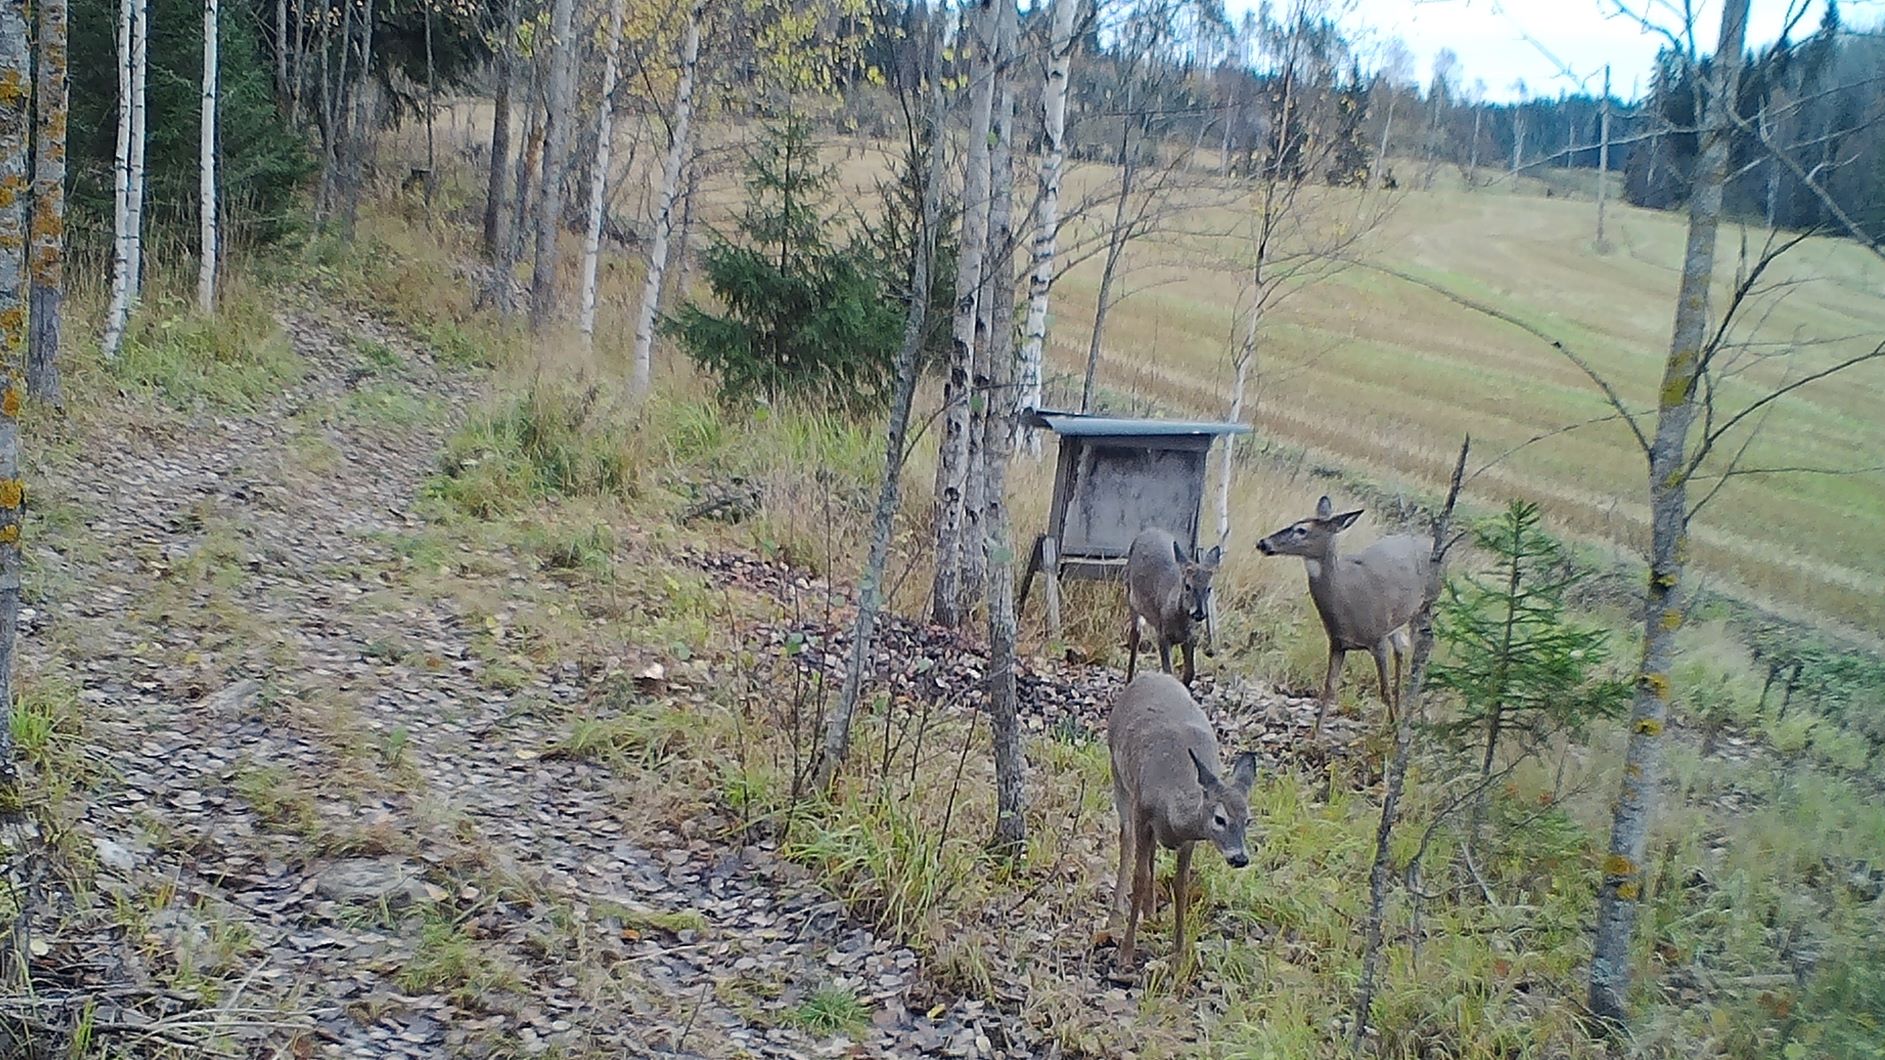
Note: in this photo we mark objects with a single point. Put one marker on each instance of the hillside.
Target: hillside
(408, 670)
(1383, 375)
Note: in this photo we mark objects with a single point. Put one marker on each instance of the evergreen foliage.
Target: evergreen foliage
(890, 236)
(1514, 663)
(1349, 156)
(262, 163)
(801, 317)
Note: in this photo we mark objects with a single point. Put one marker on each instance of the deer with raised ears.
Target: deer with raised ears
(1170, 592)
(1366, 600)
(1170, 792)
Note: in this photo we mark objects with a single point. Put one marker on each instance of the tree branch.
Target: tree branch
(1609, 392)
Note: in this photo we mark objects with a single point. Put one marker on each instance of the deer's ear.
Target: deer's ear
(1211, 558)
(1324, 508)
(1206, 779)
(1347, 519)
(1178, 552)
(1243, 772)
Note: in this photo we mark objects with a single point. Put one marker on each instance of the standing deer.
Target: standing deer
(1169, 793)
(1170, 592)
(1365, 600)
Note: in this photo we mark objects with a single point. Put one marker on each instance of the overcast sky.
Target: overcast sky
(1581, 35)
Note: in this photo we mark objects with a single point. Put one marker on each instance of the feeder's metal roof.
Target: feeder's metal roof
(1079, 425)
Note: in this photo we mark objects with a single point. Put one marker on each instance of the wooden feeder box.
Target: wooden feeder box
(1115, 477)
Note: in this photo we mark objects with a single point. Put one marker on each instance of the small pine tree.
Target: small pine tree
(801, 317)
(1348, 158)
(1512, 660)
(890, 240)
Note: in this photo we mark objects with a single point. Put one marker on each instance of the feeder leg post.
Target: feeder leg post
(1050, 567)
(1027, 576)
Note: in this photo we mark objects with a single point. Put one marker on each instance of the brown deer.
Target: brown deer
(1170, 592)
(1169, 792)
(1365, 600)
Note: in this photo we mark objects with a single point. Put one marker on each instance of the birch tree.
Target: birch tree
(206, 167)
(998, 447)
(48, 226)
(599, 175)
(994, 319)
(1047, 205)
(953, 465)
(1293, 239)
(15, 124)
(837, 735)
(360, 128)
(495, 187)
(1603, 162)
(127, 173)
(679, 128)
(1666, 597)
(558, 116)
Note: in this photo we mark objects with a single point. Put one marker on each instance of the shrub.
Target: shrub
(800, 316)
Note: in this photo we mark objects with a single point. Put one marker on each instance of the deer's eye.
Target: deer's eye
(1218, 821)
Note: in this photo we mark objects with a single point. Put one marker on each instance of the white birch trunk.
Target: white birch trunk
(1666, 600)
(557, 119)
(123, 259)
(140, 76)
(1244, 357)
(998, 446)
(1047, 212)
(1603, 161)
(664, 214)
(206, 167)
(281, 49)
(952, 467)
(599, 175)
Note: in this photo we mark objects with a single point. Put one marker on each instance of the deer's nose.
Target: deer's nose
(1238, 860)
(1265, 547)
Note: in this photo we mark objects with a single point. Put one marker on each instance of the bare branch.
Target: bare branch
(1609, 392)
(1873, 354)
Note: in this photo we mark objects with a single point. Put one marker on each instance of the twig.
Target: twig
(1610, 393)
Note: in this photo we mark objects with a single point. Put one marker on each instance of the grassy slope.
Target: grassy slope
(1278, 960)
(1767, 845)
(1383, 375)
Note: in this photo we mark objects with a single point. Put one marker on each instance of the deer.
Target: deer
(1169, 791)
(1170, 592)
(1365, 600)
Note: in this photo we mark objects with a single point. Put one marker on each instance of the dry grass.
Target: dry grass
(1382, 376)
(1277, 958)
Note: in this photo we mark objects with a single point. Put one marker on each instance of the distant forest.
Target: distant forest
(1190, 79)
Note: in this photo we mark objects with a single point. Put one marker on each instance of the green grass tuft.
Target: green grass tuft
(832, 1010)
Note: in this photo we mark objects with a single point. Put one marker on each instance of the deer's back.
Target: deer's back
(1153, 578)
(1374, 592)
(1153, 729)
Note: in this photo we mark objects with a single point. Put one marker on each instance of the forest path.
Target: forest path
(322, 823)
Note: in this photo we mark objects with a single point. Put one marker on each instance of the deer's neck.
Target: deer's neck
(1321, 568)
(1185, 815)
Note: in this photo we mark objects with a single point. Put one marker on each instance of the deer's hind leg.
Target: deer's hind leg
(1132, 647)
(1122, 884)
(1143, 848)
